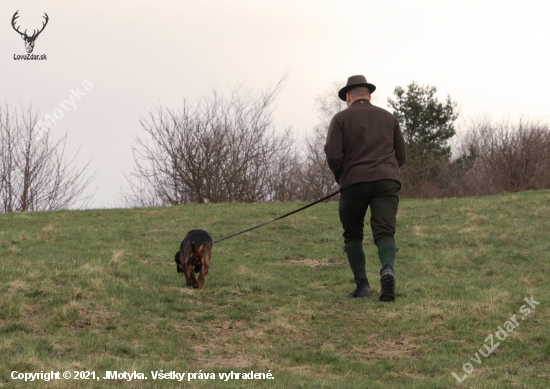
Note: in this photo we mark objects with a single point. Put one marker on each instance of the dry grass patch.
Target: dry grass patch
(418, 231)
(29, 310)
(88, 269)
(297, 223)
(385, 350)
(282, 326)
(238, 361)
(117, 256)
(28, 364)
(186, 290)
(232, 337)
(312, 262)
(317, 371)
(61, 348)
(76, 314)
(79, 294)
(17, 285)
(13, 249)
(98, 317)
(469, 229)
(47, 232)
(223, 334)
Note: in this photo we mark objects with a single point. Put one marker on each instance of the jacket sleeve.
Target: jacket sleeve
(399, 145)
(334, 148)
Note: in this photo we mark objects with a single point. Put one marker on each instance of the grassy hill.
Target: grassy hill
(98, 290)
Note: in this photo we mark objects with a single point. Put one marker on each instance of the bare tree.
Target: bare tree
(286, 181)
(220, 150)
(34, 173)
(318, 179)
(509, 156)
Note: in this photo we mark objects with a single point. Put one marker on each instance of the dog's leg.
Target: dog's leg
(203, 273)
(193, 279)
(188, 270)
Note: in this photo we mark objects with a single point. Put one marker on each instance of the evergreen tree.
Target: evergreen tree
(427, 124)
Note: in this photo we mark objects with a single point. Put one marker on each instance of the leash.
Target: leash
(280, 217)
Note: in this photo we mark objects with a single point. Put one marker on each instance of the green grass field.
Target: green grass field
(98, 290)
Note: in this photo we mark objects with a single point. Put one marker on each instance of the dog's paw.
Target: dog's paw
(189, 283)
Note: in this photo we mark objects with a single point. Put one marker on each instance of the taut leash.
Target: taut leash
(280, 217)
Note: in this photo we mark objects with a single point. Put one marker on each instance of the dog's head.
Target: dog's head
(178, 262)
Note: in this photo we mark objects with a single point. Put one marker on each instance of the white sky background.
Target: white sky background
(490, 56)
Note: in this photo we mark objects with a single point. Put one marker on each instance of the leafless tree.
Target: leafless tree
(509, 156)
(286, 182)
(318, 180)
(219, 150)
(34, 173)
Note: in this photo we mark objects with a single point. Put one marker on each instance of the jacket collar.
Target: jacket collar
(359, 102)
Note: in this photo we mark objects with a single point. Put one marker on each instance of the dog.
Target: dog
(194, 257)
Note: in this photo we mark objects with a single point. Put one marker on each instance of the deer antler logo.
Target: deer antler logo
(29, 40)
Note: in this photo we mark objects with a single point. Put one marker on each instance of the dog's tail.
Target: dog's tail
(194, 248)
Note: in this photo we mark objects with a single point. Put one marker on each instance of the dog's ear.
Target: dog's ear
(193, 249)
(178, 262)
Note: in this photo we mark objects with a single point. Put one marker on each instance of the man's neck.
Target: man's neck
(361, 100)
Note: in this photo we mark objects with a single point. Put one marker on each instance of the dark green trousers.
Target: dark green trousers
(382, 197)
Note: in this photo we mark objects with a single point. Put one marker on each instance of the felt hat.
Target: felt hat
(354, 82)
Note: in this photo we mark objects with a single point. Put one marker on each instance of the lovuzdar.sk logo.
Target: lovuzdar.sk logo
(29, 40)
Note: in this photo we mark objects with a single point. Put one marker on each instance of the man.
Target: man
(365, 149)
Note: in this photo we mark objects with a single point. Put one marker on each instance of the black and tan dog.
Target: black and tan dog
(194, 257)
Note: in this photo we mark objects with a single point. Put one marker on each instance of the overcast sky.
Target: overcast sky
(490, 56)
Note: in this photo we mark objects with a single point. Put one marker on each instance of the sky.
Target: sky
(491, 57)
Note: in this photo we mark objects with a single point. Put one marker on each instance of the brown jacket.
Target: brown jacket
(364, 143)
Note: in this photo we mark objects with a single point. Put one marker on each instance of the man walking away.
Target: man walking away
(365, 149)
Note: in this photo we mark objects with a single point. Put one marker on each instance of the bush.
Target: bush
(509, 156)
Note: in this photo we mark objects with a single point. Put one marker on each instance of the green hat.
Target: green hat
(354, 82)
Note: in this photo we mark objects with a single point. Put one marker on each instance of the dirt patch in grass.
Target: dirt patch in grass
(391, 349)
(232, 337)
(418, 231)
(312, 262)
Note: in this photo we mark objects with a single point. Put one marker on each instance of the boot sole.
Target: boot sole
(388, 288)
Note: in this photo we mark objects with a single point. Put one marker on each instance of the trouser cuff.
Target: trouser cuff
(354, 243)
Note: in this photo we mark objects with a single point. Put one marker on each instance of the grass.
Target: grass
(98, 290)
